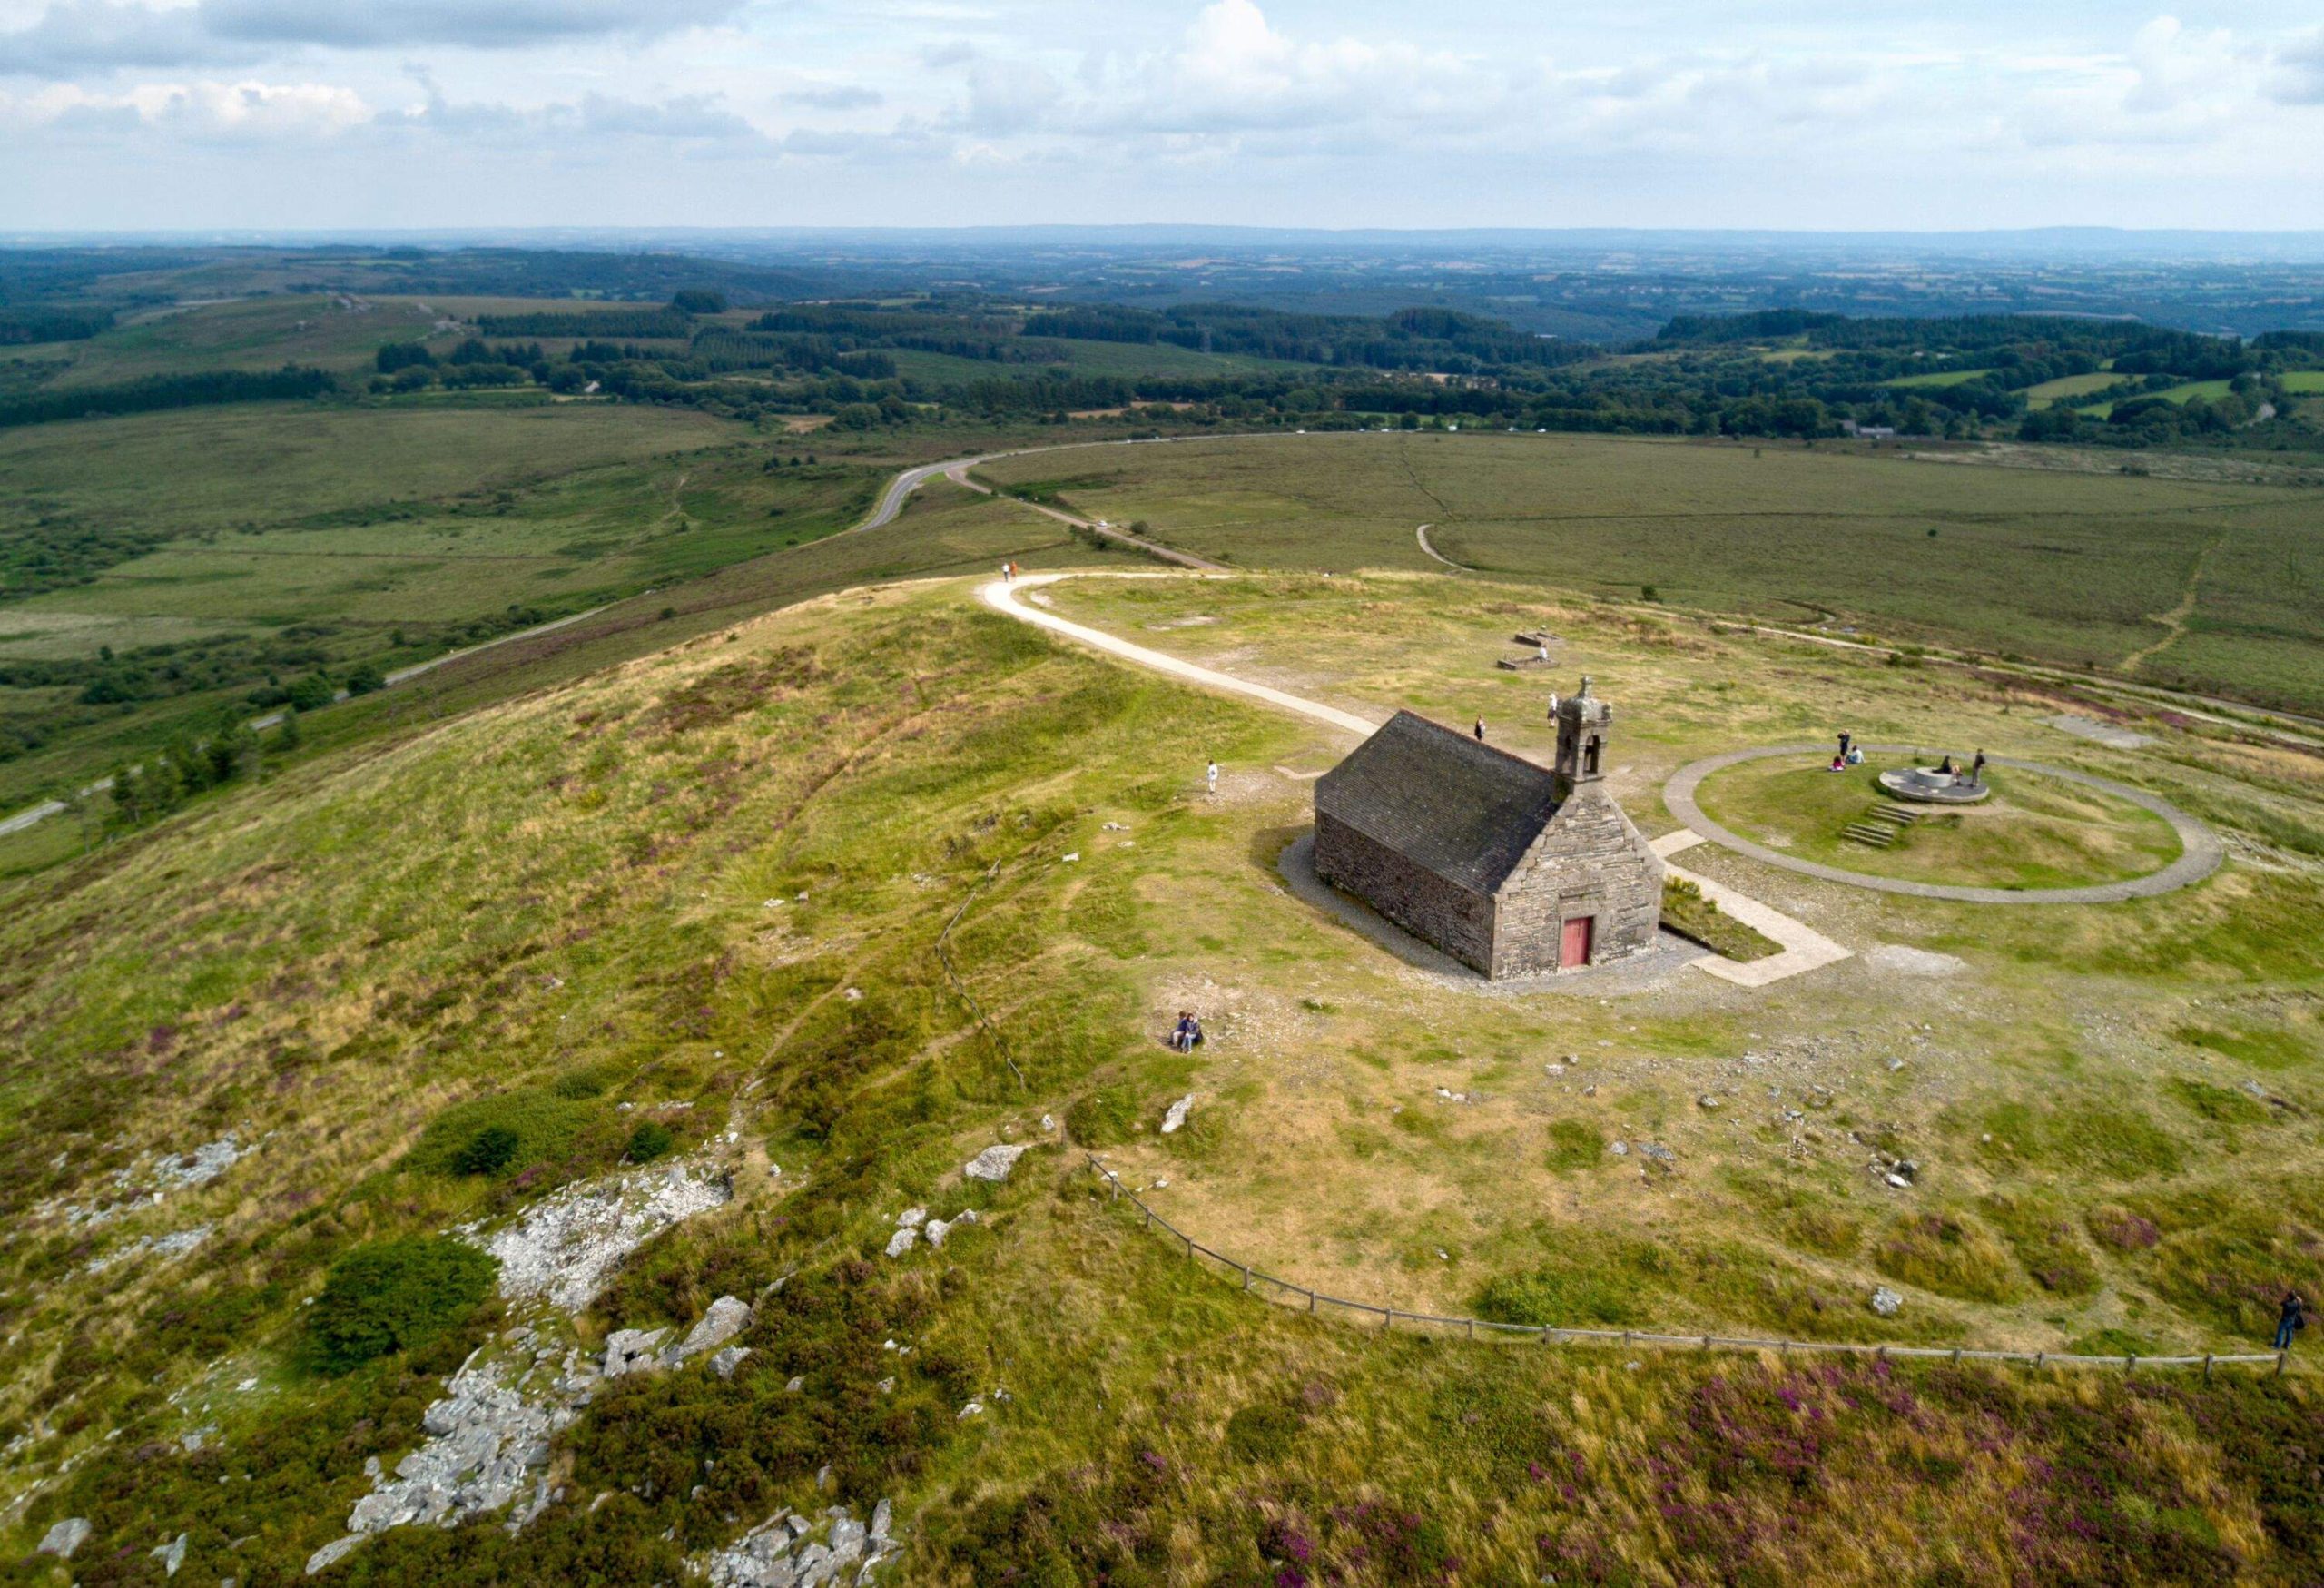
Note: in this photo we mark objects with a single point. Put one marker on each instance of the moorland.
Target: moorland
(791, 866)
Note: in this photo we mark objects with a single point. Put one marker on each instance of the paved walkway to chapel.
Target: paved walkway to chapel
(2200, 851)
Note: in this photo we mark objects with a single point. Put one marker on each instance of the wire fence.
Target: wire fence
(1284, 1292)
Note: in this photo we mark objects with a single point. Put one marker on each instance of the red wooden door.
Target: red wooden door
(1574, 948)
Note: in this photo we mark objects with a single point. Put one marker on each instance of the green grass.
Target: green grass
(2069, 386)
(305, 538)
(1937, 377)
(2032, 833)
(2054, 566)
(1688, 912)
(542, 910)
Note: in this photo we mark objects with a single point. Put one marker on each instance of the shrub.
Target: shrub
(489, 1151)
(366, 679)
(649, 1141)
(311, 693)
(576, 1132)
(393, 1294)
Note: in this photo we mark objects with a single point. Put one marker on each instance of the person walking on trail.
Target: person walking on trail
(2290, 1321)
(1480, 730)
(1210, 776)
(1977, 768)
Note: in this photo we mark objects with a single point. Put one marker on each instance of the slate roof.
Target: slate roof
(1463, 810)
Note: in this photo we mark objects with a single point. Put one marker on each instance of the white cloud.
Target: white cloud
(202, 110)
(72, 36)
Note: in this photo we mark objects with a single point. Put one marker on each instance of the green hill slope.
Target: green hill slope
(831, 902)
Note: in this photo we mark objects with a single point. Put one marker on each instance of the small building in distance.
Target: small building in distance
(1512, 869)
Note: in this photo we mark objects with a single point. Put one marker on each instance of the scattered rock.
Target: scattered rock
(938, 1228)
(483, 1440)
(725, 1361)
(994, 1163)
(328, 1556)
(171, 1555)
(1048, 1123)
(1886, 1302)
(913, 1216)
(1707, 1101)
(1619, 1149)
(1177, 1116)
(626, 1351)
(61, 1539)
(795, 1384)
(566, 1246)
(728, 1315)
(902, 1241)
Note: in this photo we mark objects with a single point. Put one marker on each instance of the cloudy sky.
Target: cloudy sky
(327, 113)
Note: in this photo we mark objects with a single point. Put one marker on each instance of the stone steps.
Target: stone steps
(1896, 814)
(1868, 834)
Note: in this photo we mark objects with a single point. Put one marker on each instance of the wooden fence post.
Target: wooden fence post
(2207, 1367)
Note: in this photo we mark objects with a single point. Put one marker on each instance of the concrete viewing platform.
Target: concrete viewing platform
(1928, 787)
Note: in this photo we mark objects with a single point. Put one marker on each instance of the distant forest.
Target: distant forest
(754, 340)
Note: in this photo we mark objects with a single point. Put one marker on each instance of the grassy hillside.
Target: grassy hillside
(707, 889)
(194, 556)
(2083, 568)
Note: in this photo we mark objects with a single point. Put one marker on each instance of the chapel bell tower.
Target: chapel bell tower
(1584, 723)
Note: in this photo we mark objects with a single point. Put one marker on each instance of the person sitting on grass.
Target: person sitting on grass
(1839, 764)
(1182, 1038)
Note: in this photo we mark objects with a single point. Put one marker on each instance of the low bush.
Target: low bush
(514, 1130)
(650, 1140)
(489, 1151)
(394, 1295)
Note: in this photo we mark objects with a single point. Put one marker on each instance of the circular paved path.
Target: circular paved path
(2200, 851)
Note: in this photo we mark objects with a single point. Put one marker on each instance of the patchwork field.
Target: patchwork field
(2206, 585)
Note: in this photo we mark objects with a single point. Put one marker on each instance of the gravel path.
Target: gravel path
(2202, 852)
(1001, 595)
(1804, 947)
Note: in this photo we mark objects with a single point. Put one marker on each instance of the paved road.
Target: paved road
(1424, 545)
(2200, 851)
(900, 489)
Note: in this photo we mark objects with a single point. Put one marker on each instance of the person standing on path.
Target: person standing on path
(2290, 1321)
(1480, 730)
(1210, 775)
(1847, 739)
